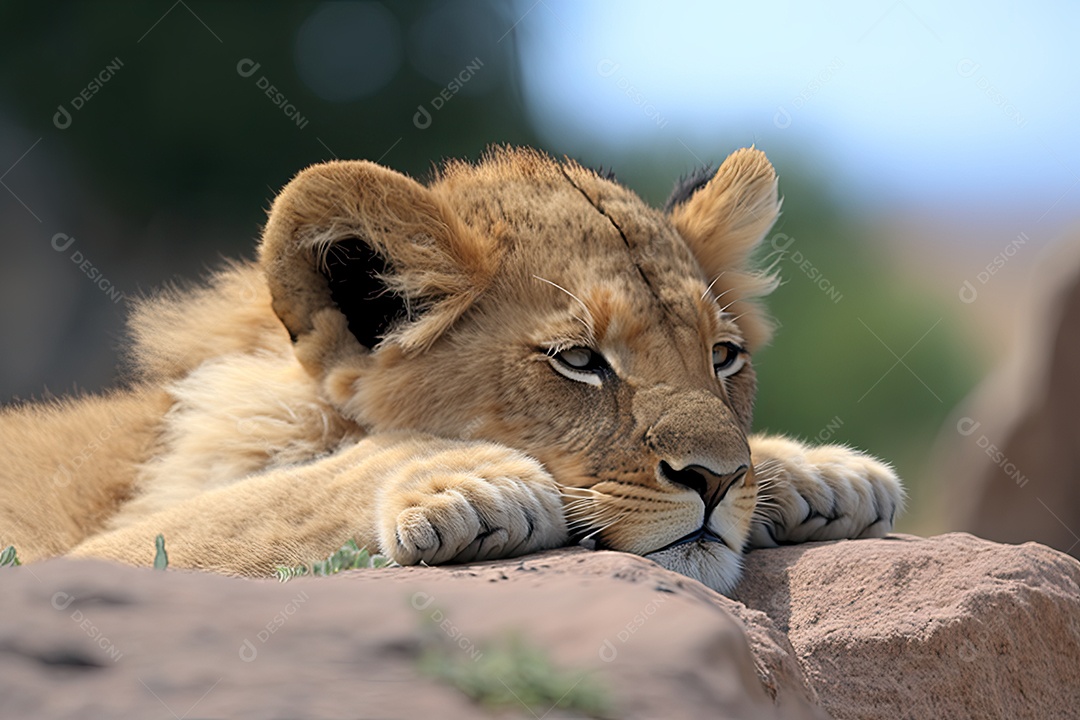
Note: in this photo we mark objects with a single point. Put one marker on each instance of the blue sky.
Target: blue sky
(974, 102)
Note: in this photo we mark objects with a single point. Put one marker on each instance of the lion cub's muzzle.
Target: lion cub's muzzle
(711, 487)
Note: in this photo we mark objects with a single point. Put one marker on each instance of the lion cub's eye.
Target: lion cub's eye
(727, 359)
(581, 364)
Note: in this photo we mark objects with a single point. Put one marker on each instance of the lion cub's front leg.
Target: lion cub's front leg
(825, 492)
(456, 501)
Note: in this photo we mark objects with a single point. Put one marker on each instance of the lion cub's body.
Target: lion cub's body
(399, 368)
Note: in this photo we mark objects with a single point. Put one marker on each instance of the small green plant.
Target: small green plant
(9, 558)
(510, 674)
(349, 557)
(161, 558)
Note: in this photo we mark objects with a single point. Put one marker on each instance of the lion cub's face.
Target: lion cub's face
(603, 338)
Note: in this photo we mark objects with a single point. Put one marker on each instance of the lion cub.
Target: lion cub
(519, 355)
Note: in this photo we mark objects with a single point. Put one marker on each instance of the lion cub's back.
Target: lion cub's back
(176, 331)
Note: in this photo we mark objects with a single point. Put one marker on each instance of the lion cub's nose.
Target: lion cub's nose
(711, 487)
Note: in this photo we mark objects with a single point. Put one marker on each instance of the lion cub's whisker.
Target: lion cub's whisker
(715, 279)
(588, 316)
(730, 303)
(606, 526)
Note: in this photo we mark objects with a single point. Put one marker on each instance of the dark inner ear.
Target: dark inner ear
(688, 185)
(352, 270)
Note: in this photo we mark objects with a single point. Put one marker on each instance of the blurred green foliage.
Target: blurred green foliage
(509, 673)
(179, 126)
(867, 360)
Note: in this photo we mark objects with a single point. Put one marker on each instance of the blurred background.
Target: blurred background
(927, 156)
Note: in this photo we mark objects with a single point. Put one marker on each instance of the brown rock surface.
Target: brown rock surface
(945, 627)
(903, 627)
(143, 644)
(1010, 455)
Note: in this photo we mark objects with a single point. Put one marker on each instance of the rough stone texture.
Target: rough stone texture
(1011, 453)
(946, 627)
(903, 627)
(348, 646)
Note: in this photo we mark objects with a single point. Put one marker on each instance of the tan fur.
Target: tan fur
(263, 432)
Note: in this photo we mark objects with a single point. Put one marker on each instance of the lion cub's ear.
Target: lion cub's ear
(723, 220)
(355, 253)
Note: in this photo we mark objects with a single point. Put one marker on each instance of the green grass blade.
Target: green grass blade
(161, 558)
(8, 557)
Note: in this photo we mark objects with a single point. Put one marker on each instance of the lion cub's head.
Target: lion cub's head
(537, 304)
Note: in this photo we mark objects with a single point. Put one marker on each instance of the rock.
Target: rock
(945, 627)
(83, 639)
(902, 627)
(1010, 455)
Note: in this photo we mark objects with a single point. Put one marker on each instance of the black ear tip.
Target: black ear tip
(606, 173)
(687, 185)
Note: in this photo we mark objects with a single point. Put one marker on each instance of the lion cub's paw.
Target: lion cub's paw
(470, 501)
(828, 492)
